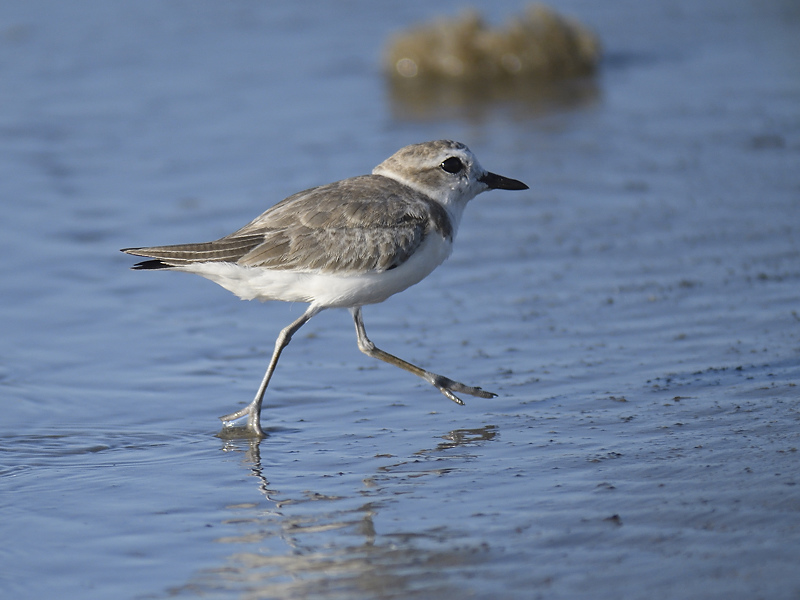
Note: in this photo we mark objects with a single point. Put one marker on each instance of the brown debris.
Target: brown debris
(538, 45)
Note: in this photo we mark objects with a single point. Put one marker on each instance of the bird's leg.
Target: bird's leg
(443, 384)
(253, 410)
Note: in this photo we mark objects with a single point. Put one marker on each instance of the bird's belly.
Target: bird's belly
(327, 290)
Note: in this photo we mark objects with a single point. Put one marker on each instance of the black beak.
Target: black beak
(498, 182)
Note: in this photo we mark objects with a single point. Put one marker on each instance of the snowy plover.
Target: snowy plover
(344, 245)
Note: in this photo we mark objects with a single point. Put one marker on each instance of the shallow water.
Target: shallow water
(638, 312)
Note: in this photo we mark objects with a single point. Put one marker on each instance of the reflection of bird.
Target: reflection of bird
(344, 245)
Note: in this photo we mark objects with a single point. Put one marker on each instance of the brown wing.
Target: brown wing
(367, 223)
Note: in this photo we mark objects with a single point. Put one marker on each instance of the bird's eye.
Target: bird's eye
(452, 165)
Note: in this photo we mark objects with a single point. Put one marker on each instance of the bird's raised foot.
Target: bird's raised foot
(448, 387)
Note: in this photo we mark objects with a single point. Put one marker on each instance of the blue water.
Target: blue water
(638, 312)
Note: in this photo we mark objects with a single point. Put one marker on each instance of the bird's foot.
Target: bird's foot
(448, 387)
(250, 428)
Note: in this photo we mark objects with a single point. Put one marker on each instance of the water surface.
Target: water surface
(637, 311)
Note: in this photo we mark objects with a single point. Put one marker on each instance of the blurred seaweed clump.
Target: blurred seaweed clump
(540, 45)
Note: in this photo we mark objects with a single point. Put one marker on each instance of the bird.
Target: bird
(345, 244)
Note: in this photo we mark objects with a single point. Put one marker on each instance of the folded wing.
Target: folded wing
(335, 228)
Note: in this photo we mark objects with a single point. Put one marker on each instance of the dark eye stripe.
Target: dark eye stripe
(452, 165)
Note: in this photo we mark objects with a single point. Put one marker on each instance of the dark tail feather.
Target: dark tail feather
(150, 264)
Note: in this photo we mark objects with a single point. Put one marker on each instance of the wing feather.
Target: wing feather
(224, 250)
(367, 223)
